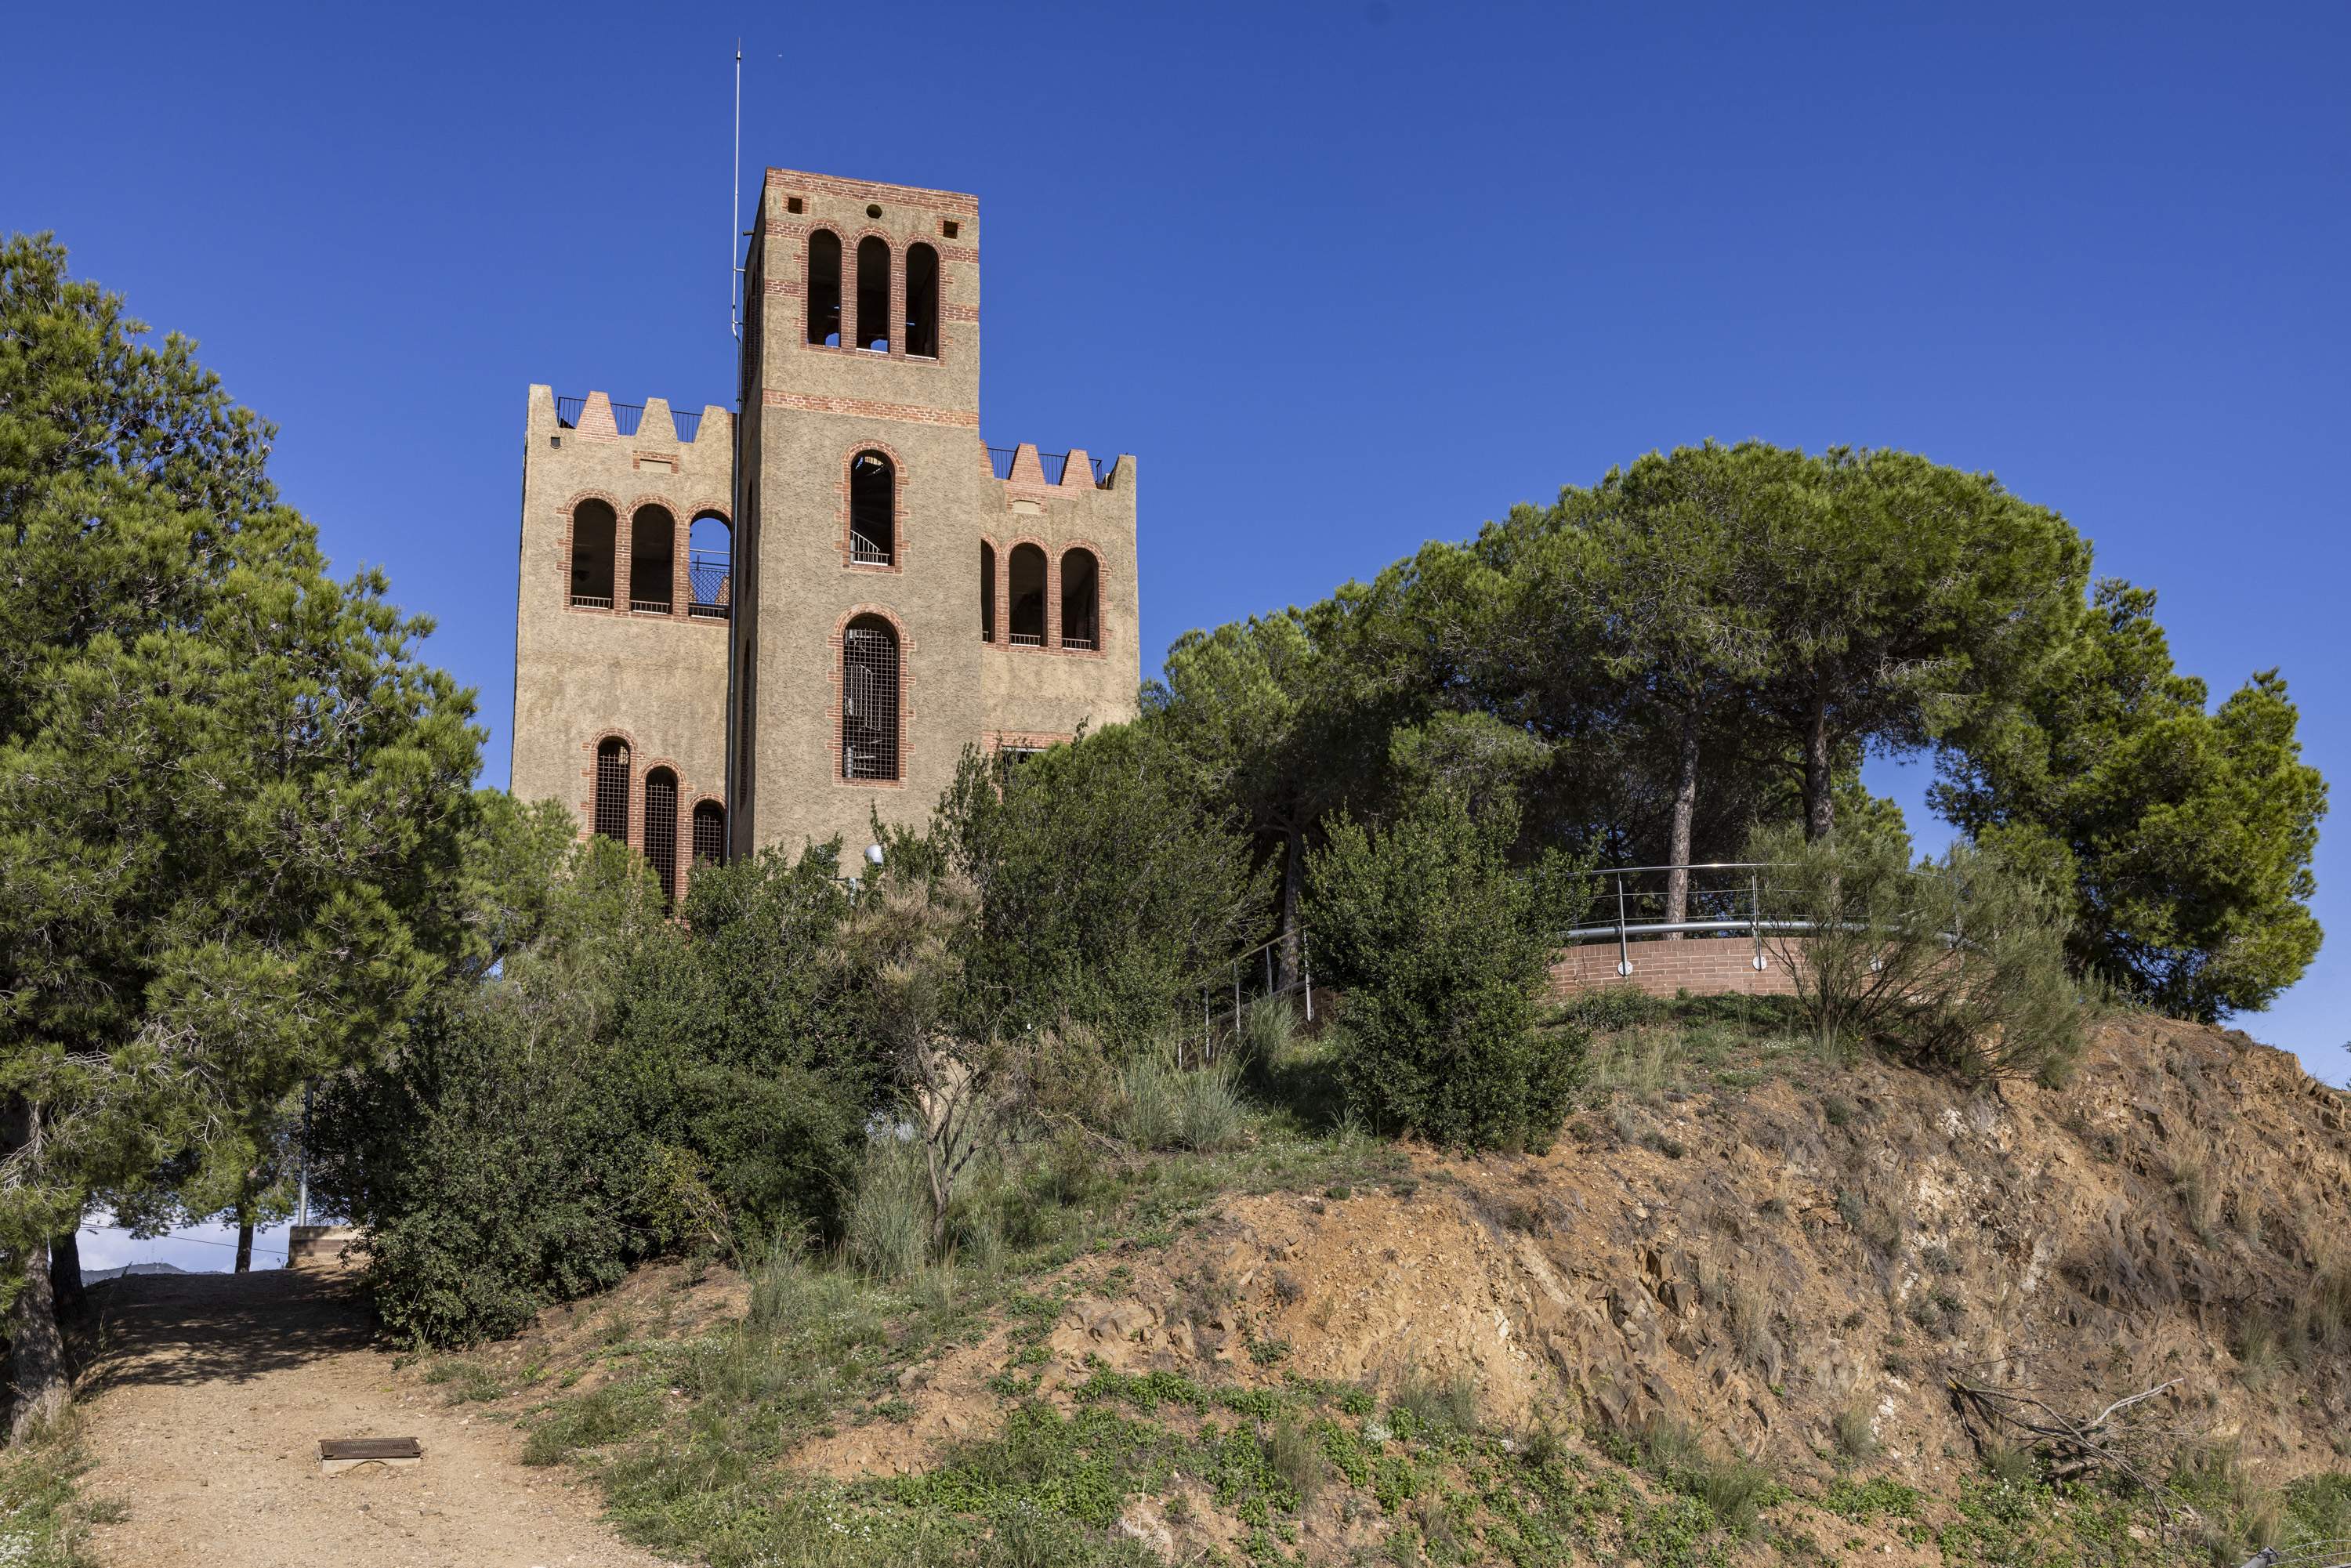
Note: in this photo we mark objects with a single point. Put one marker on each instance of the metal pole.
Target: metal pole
(734, 229)
(1237, 993)
(1623, 949)
(1755, 913)
(302, 1190)
(1306, 963)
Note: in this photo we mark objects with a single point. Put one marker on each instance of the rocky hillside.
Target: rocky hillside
(1754, 1305)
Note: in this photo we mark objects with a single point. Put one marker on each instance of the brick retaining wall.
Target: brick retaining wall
(1701, 965)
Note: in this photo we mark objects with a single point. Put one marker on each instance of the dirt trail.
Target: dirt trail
(206, 1420)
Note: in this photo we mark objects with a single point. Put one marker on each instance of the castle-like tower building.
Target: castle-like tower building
(733, 632)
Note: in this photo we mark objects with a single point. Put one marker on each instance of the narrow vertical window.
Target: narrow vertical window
(824, 288)
(868, 699)
(653, 567)
(1079, 593)
(706, 563)
(709, 834)
(872, 510)
(1027, 574)
(661, 828)
(987, 593)
(873, 293)
(923, 301)
(612, 801)
(595, 529)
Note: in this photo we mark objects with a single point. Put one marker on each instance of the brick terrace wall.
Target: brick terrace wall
(1703, 965)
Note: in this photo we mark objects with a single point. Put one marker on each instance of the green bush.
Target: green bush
(889, 1224)
(1958, 964)
(1432, 940)
(620, 1089)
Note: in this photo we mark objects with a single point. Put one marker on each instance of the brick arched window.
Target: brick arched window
(661, 828)
(709, 834)
(595, 534)
(868, 699)
(986, 591)
(873, 293)
(872, 510)
(824, 287)
(611, 798)
(1081, 599)
(653, 559)
(707, 554)
(922, 301)
(1027, 607)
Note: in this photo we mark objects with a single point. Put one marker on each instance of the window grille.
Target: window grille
(661, 828)
(869, 701)
(710, 834)
(613, 789)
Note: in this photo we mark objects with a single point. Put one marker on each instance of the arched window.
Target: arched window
(868, 699)
(653, 558)
(661, 828)
(986, 591)
(873, 293)
(1081, 593)
(708, 540)
(824, 287)
(923, 301)
(872, 509)
(613, 788)
(1028, 597)
(595, 527)
(709, 834)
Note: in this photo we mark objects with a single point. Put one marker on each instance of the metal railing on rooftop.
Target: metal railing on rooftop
(626, 417)
(707, 581)
(1054, 464)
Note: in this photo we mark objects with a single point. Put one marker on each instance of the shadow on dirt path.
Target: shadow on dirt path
(204, 1410)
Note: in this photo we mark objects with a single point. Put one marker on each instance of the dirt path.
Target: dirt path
(206, 1423)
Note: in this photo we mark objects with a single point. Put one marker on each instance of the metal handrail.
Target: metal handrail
(1747, 894)
(626, 417)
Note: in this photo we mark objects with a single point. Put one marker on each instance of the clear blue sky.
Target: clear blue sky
(1345, 276)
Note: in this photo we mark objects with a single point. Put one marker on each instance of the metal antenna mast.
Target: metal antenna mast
(734, 237)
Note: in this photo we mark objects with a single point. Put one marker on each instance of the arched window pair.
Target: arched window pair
(653, 559)
(920, 335)
(612, 815)
(1081, 597)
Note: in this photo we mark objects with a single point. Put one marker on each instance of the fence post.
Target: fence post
(1755, 913)
(1306, 964)
(1623, 949)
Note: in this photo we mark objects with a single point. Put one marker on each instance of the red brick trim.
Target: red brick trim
(897, 507)
(905, 697)
(800, 183)
(868, 408)
(850, 246)
(563, 562)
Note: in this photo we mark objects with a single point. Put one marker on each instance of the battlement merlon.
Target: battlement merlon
(652, 424)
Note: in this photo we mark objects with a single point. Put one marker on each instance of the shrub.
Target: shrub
(889, 1224)
(1432, 940)
(1959, 965)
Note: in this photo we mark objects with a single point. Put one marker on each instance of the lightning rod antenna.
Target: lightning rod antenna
(734, 237)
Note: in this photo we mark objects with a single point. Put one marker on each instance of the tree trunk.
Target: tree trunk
(1820, 811)
(37, 1351)
(1678, 848)
(244, 1242)
(1293, 883)
(65, 1277)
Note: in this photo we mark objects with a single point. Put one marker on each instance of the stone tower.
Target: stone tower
(896, 590)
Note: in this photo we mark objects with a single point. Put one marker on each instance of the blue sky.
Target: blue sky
(1344, 276)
